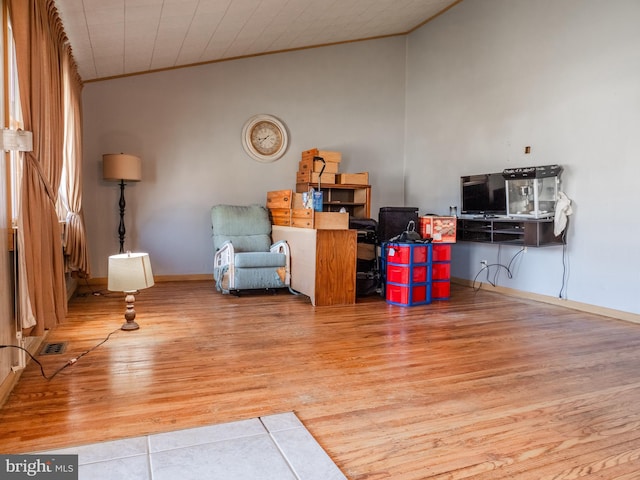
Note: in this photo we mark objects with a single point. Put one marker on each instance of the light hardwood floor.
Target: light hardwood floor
(482, 386)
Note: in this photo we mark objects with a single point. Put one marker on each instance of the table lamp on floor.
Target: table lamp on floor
(128, 273)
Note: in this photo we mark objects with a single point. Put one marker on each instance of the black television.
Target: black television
(483, 194)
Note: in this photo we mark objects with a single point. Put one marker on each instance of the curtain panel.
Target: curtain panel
(75, 244)
(38, 34)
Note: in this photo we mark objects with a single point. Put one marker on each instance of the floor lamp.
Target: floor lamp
(120, 167)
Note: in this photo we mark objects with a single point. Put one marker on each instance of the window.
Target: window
(13, 114)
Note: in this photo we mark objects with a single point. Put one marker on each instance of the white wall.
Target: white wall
(490, 77)
(474, 87)
(185, 125)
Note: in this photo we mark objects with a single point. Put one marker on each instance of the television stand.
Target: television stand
(509, 231)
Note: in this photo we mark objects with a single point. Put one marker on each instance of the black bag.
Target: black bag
(410, 235)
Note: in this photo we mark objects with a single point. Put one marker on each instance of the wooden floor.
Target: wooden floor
(482, 386)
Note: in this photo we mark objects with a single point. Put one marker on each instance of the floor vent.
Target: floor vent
(53, 348)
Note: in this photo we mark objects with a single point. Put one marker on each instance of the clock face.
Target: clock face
(264, 138)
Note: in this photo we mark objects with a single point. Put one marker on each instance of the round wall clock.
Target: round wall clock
(264, 138)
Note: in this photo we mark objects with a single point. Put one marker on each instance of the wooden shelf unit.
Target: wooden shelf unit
(355, 199)
(510, 231)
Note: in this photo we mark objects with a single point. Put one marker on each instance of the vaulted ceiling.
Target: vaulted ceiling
(111, 38)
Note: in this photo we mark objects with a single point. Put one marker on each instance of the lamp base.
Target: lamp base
(130, 325)
(130, 313)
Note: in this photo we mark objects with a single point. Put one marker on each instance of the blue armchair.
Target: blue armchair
(244, 257)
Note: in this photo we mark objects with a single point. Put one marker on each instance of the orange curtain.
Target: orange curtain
(37, 32)
(75, 246)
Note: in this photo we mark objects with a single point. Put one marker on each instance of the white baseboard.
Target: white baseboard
(32, 345)
(162, 278)
(72, 285)
(583, 307)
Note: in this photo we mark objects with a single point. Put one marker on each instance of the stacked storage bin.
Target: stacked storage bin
(441, 271)
(408, 273)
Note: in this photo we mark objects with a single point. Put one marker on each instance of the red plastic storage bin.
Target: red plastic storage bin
(406, 274)
(440, 290)
(408, 294)
(441, 271)
(441, 253)
(403, 253)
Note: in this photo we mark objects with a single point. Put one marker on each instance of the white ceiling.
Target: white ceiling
(121, 37)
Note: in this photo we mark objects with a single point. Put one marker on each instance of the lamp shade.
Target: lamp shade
(121, 166)
(129, 272)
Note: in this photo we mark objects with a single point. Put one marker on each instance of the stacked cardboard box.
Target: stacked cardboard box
(287, 208)
(309, 168)
(361, 178)
(279, 203)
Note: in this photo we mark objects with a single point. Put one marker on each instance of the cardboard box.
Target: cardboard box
(331, 221)
(438, 229)
(316, 166)
(279, 199)
(308, 218)
(302, 217)
(312, 152)
(313, 177)
(361, 178)
(328, 156)
(297, 200)
(280, 216)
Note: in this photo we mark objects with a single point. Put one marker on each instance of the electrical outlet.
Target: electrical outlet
(483, 263)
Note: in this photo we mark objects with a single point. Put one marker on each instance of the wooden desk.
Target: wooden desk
(323, 263)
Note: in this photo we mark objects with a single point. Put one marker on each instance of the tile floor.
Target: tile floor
(271, 447)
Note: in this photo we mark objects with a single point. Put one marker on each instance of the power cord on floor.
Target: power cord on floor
(565, 266)
(486, 267)
(95, 293)
(68, 364)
